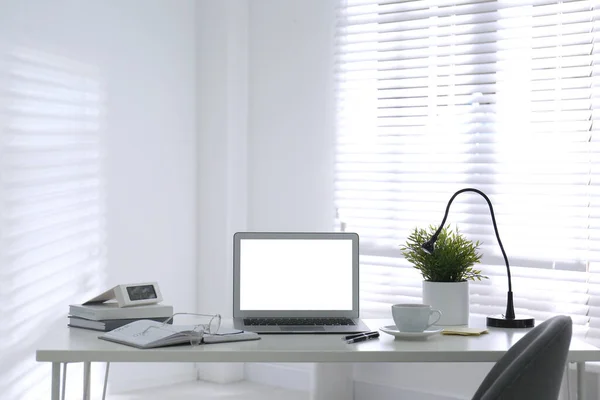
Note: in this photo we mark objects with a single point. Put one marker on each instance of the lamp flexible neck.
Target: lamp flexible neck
(436, 234)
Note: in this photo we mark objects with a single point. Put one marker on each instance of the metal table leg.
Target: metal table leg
(105, 381)
(55, 381)
(64, 381)
(87, 366)
(581, 381)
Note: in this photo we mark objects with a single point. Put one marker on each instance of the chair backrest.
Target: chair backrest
(533, 367)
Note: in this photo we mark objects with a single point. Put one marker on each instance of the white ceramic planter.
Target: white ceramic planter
(451, 298)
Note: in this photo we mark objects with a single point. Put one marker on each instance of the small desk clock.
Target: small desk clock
(132, 294)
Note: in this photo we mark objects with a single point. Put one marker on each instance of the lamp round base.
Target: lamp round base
(520, 321)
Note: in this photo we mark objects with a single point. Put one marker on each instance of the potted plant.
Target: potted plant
(447, 272)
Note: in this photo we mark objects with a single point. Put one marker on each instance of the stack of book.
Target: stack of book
(108, 316)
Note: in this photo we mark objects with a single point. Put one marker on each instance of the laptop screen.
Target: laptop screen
(296, 272)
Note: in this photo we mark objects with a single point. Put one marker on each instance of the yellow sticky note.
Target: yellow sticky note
(464, 331)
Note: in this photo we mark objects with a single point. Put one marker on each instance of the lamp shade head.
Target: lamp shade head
(428, 246)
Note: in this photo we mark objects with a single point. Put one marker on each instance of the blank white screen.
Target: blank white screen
(295, 274)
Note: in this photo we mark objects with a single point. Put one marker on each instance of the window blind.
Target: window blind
(52, 214)
(434, 96)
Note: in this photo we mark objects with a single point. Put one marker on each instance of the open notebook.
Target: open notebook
(148, 334)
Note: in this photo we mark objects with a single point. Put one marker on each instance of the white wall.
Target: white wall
(152, 157)
(222, 112)
(145, 52)
(291, 136)
(222, 71)
(265, 146)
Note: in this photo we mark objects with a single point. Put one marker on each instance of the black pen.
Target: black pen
(355, 335)
(363, 337)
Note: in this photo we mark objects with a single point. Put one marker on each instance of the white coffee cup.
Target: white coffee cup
(414, 317)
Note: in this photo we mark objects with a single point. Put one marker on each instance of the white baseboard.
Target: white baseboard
(288, 377)
(369, 391)
(140, 382)
(220, 372)
(283, 376)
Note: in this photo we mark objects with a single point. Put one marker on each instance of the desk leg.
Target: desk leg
(332, 381)
(581, 381)
(87, 367)
(55, 381)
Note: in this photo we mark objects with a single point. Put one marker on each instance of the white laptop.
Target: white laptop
(296, 282)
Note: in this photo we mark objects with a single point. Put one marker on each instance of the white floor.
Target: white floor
(208, 391)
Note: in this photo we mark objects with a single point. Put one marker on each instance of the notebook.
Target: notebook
(148, 334)
(296, 282)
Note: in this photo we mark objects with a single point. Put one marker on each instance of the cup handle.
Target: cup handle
(439, 315)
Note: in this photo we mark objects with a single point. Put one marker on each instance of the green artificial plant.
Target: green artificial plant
(452, 260)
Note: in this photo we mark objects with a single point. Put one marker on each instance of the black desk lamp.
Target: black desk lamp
(509, 319)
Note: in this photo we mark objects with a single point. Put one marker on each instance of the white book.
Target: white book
(147, 334)
(105, 325)
(98, 312)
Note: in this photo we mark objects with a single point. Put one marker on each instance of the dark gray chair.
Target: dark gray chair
(533, 367)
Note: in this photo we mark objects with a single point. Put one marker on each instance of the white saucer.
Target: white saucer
(392, 330)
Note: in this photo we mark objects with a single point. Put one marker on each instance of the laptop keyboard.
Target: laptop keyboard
(298, 321)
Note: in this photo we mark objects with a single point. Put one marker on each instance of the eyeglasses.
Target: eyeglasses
(210, 325)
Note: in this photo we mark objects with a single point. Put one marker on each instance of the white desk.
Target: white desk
(331, 380)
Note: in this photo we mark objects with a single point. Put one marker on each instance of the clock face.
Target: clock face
(144, 292)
